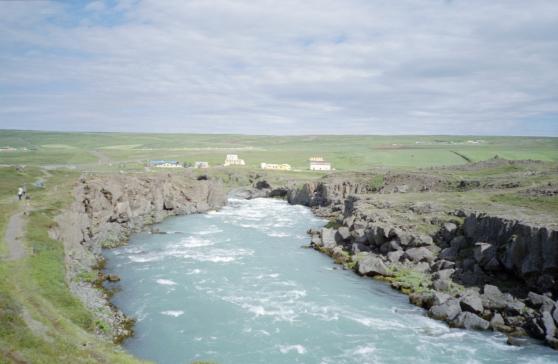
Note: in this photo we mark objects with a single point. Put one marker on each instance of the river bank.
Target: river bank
(237, 285)
(469, 268)
(106, 210)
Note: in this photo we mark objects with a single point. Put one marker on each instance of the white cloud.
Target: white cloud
(351, 66)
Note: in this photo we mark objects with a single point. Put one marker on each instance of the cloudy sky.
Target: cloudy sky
(281, 67)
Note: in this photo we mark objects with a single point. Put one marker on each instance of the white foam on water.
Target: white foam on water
(212, 229)
(166, 282)
(144, 258)
(173, 313)
(193, 271)
(364, 350)
(263, 276)
(376, 323)
(277, 235)
(285, 349)
(193, 242)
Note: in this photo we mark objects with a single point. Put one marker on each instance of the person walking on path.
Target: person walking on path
(20, 193)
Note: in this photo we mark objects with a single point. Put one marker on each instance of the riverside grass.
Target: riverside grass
(40, 321)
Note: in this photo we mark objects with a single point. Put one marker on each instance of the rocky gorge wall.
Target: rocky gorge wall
(529, 252)
(105, 212)
(472, 270)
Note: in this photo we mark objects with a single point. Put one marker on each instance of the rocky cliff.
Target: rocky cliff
(106, 210)
(470, 269)
(529, 252)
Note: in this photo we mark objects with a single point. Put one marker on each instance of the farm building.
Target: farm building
(233, 160)
(279, 167)
(165, 164)
(319, 164)
(199, 164)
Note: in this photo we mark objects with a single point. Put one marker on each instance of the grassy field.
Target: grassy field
(41, 322)
(112, 151)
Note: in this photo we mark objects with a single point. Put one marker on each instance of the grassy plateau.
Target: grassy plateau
(40, 320)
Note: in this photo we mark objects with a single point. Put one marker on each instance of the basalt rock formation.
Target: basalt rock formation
(106, 210)
(473, 270)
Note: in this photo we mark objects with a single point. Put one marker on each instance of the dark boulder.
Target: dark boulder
(536, 300)
(449, 254)
(439, 298)
(328, 238)
(372, 265)
(421, 299)
(448, 310)
(549, 325)
(441, 284)
(470, 321)
(343, 234)
(493, 298)
(419, 255)
(535, 328)
(260, 185)
(442, 264)
(395, 256)
(444, 274)
(471, 303)
(459, 242)
(484, 253)
(448, 231)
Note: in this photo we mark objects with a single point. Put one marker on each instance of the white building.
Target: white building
(233, 160)
(318, 164)
(165, 164)
(200, 164)
(280, 167)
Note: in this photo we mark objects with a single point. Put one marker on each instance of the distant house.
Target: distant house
(199, 164)
(279, 167)
(233, 160)
(165, 164)
(319, 164)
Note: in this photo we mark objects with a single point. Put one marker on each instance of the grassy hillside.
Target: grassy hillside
(40, 321)
(97, 151)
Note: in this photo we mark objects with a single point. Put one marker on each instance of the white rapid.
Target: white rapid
(235, 286)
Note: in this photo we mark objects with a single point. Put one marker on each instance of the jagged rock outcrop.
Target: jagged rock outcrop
(530, 252)
(462, 262)
(324, 193)
(106, 210)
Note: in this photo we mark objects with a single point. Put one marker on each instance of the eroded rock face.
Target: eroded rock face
(530, 252)
(458, 261)
(107, 209)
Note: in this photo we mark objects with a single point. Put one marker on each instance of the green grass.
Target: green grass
(40, 320)
(47, 271)
(130, 151)
(376, 183)
(541, 203)
(411, 281)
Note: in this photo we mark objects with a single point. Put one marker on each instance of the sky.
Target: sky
(472, 67)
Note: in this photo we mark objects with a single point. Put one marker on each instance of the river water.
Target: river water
(235, 286)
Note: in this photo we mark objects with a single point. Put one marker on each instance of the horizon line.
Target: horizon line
(274, 135)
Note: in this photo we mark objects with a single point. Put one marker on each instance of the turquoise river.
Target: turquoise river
(236, 286)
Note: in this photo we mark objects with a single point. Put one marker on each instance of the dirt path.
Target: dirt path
(103, 158)
(14, 237)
